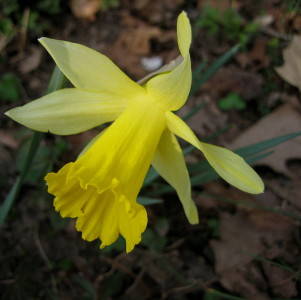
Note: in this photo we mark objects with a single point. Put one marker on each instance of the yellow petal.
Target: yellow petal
(68, 111)
(99, 215)
(170, 164)
(132, 222)
(181, 129)
(230, 166)
(70, 198)
(99, 218)
(171, 89)
(124, 151)
(100, 188)
(183, 33)
(88, 69)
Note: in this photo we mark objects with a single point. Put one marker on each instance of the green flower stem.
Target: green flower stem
(57, 81)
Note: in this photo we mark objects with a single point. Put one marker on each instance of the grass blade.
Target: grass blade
(262, 146)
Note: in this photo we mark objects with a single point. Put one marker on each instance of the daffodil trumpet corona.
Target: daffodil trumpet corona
(100, 188)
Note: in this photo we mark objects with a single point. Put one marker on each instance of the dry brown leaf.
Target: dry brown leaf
(248, 233)
(134, 42)
(284, 120)
(297, 23)
(243, 236)
(244, 83)
(291, 70)
(239, 241)
(281, 281)
(287, 190)
(247, 281)
(257, 57)
(85, 9)
(208, 120)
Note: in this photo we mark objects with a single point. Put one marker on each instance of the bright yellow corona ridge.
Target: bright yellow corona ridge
(100, 188)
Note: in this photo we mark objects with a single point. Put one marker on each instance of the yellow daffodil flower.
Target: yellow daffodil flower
(101, 187)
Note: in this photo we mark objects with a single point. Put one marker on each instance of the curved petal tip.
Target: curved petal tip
(183, 33)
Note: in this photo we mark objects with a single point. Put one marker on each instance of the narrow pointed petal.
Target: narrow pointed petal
(184, 34)
(88, 69)
(171, 89)
(68, 111)
(230, 166)
(170, 164)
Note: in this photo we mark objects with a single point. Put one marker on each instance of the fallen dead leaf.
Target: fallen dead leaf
(137, 40)
(281, 18)
(233, 251)
(284, 120)
(247, 281)
(134, 42)
(243, 236)
(282, 282)
(85, 9)
(287, 190)
(257, 58)
(247, 232)
(246, 84)
(291, 70)
(206, 201)
(297, 23)
(209, 119)
(238, 198)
